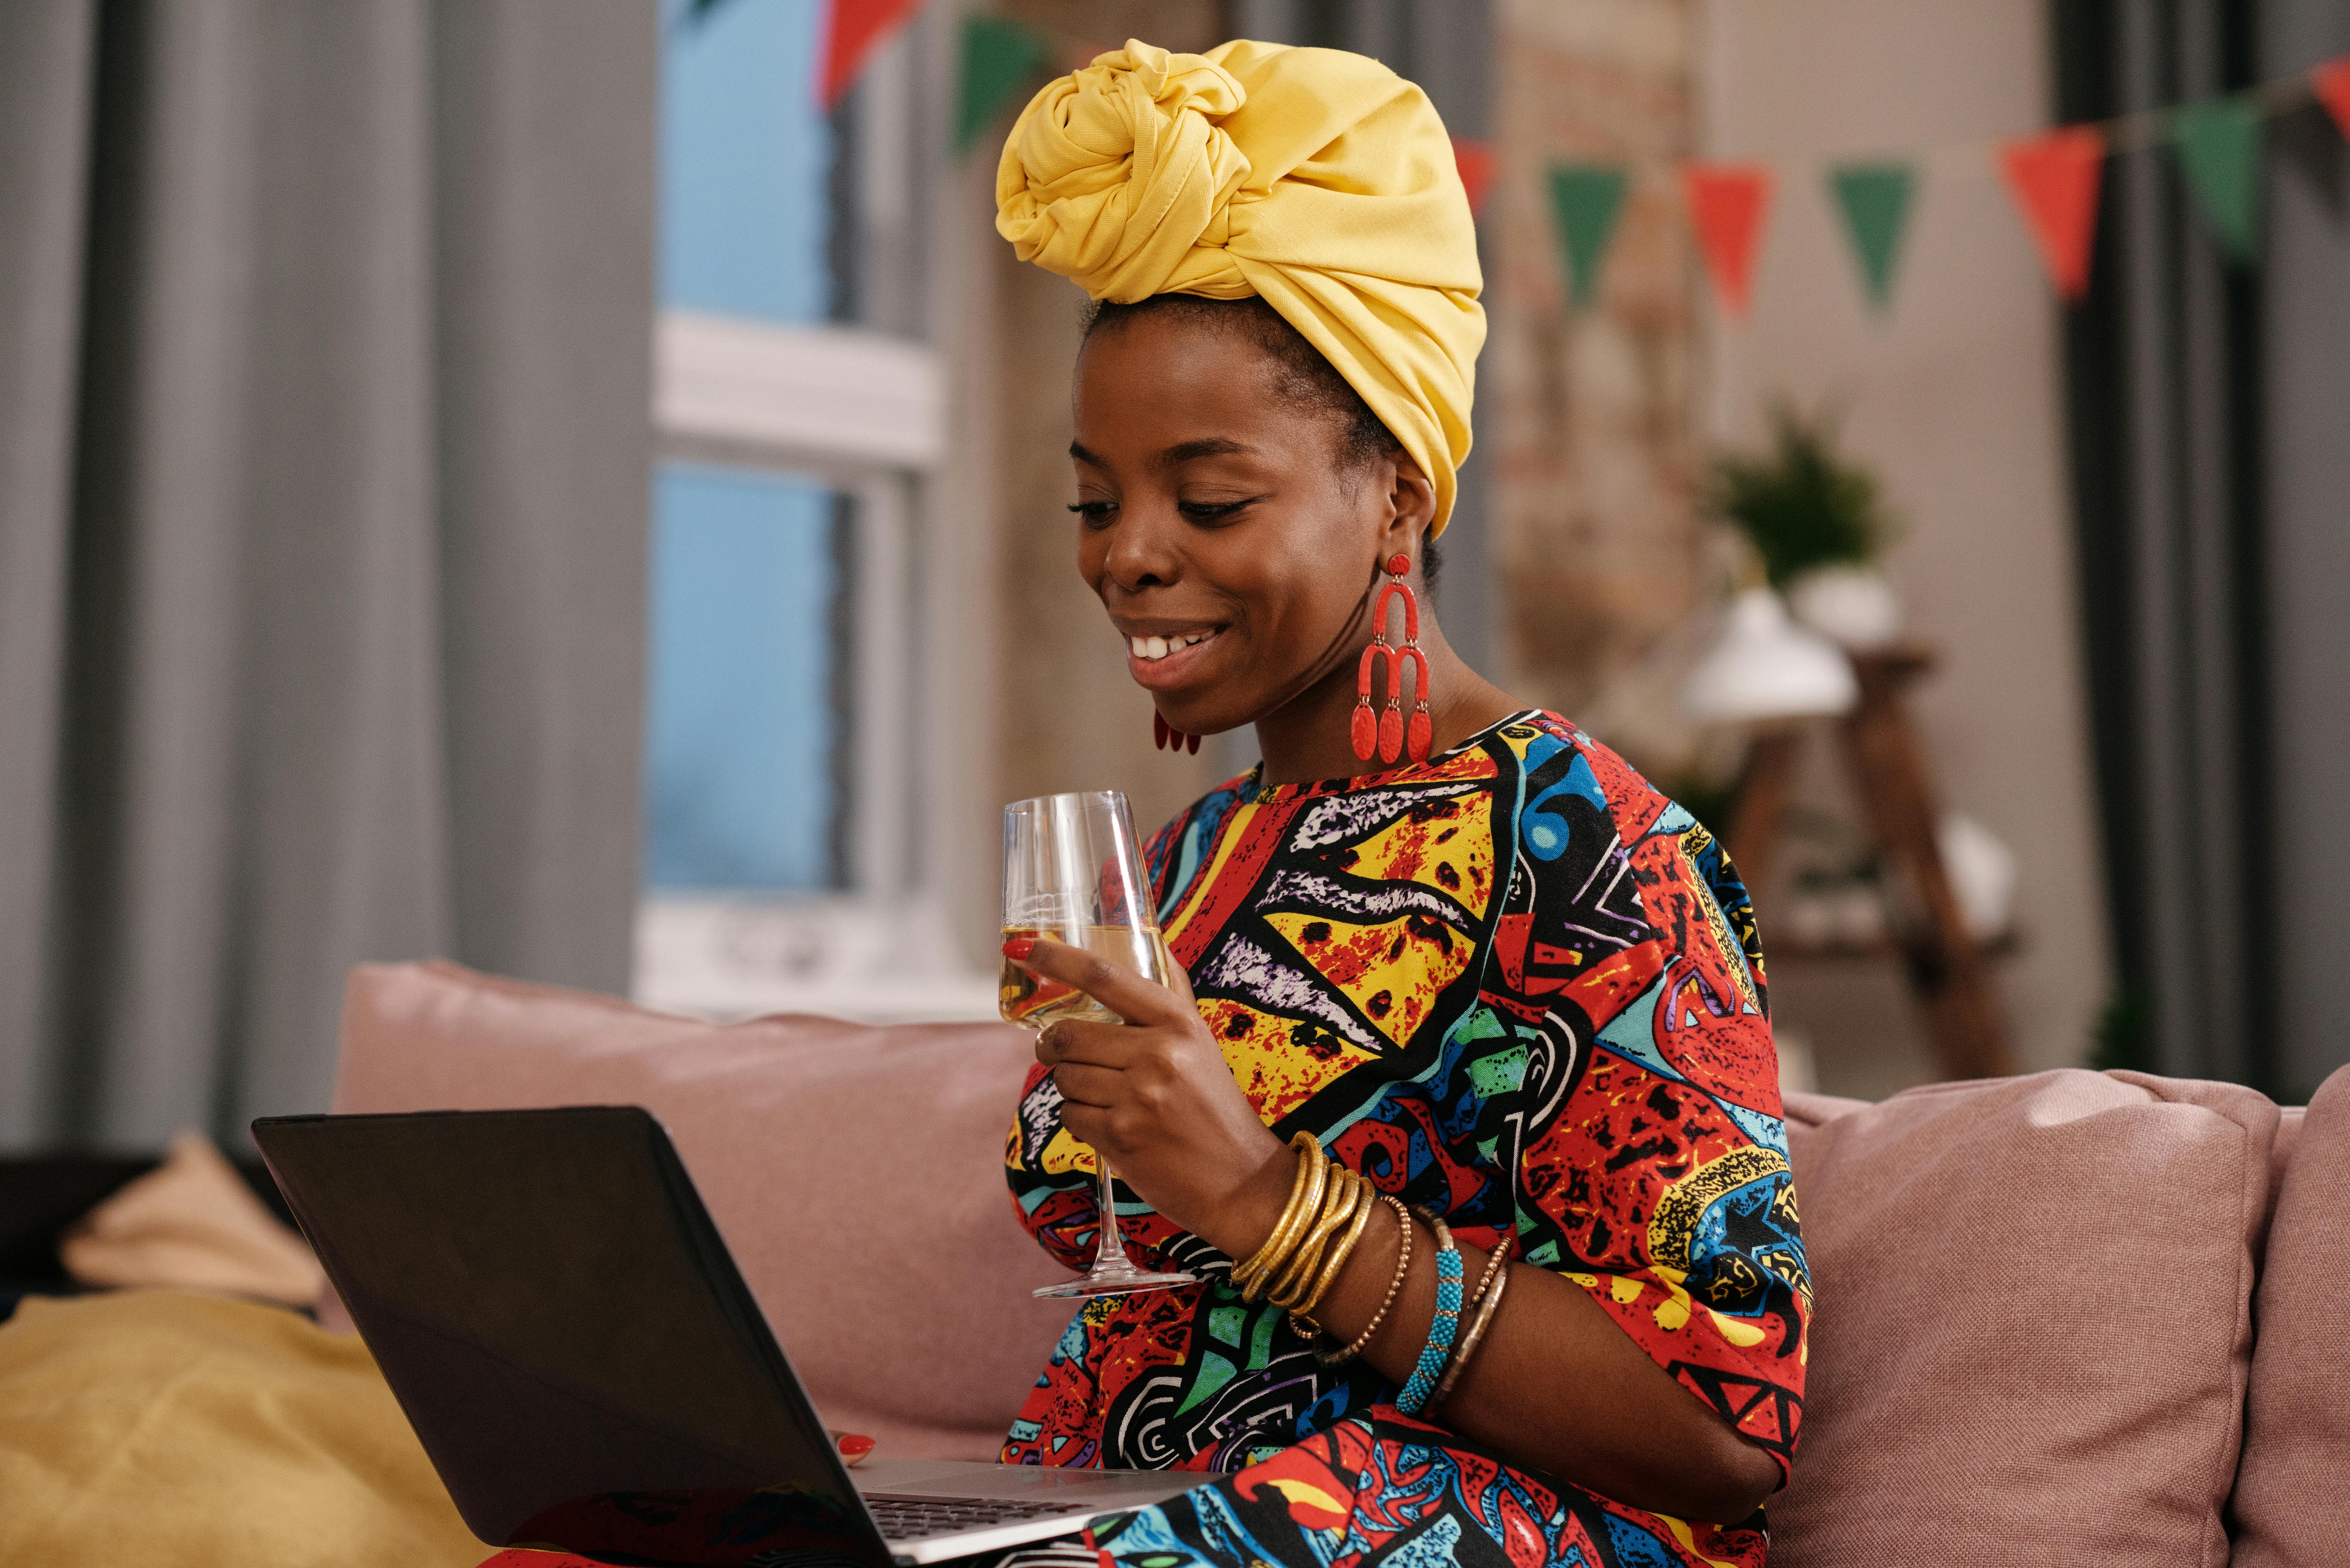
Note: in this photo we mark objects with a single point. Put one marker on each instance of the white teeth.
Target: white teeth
(1153, 649)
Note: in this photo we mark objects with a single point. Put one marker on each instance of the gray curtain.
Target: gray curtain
(324, 378)
(2209, 401)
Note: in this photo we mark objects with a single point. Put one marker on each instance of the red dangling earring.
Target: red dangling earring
(1168, 738)
(1386, 734)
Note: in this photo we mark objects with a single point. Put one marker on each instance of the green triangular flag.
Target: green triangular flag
(1586, 199)
(2218, 146)
(1875, 198)
(1000, 56)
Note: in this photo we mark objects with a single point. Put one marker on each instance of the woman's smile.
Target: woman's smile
(1165, 657)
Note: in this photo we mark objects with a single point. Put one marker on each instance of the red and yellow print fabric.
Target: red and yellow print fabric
(1513, 983)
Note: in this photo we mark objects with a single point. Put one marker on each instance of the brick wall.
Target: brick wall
(1589, 411)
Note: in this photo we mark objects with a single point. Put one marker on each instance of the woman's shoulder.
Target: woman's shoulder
(1557, 760)
(1580, 805)
(1557, 785)
(1548, 752)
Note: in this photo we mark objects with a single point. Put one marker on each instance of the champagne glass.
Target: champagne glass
(1073, 872)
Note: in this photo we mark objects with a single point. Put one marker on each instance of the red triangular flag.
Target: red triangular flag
(850, 33)
(2331, 82)
(2055, 178)
(1726, 203)
(1475, 161)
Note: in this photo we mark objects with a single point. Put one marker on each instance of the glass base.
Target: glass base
(1117, 1281)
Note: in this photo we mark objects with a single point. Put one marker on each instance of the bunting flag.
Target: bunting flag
(851, 30)
(2055, 179)
(1875, 200)
(1475, 159)
(1726, 203)
(2218, 145)
(2330, 83)
(1586, 200)
(1001, 57)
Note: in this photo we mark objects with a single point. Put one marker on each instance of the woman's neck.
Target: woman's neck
(1310, 737)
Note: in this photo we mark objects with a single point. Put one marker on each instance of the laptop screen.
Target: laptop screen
(566, 1331)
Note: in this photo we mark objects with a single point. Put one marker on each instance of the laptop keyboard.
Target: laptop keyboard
(913, 1518)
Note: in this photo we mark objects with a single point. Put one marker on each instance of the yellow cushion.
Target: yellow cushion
(154, 1426)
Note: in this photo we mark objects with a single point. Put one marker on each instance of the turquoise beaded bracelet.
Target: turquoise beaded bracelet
(1441, 1328)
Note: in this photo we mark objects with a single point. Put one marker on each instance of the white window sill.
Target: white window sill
(725, 957)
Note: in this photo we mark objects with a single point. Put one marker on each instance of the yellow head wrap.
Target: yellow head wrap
(1319, 179)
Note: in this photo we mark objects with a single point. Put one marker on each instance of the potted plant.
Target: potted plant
(1819, 524)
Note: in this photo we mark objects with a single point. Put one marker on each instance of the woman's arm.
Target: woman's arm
(1556, 1385)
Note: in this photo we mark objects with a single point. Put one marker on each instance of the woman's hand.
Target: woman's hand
(1155, 1095)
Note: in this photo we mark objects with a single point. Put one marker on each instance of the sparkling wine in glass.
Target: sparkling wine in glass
(1073, 872)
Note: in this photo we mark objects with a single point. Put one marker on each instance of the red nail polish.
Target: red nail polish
(1017, 948)
(855, 1445)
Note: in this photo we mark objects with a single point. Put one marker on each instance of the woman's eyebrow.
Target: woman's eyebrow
(1212, 446)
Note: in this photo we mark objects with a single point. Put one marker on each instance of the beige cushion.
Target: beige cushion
(192, 1224)
(2032, 1326)
(856, 1172)
(2292, 1507)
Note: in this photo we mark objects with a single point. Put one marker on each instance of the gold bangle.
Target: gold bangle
(1403, 1267)
(1280, 1277)
(1343, 1249)
(1251, 1276)
(1305, 1262)
(1468, 1342)
(1245, 1271)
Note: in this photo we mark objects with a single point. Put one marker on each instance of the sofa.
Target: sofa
(2071, 1317)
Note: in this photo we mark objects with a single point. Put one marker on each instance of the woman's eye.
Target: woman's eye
(1096, 512)
(1209, 510)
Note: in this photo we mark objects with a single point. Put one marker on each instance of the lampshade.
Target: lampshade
(1764, 666)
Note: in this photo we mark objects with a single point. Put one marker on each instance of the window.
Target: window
(797, 407)
(740, 792)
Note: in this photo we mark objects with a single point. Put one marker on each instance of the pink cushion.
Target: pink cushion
(856, 1172)
(2032, 1325)
(2292, 1506)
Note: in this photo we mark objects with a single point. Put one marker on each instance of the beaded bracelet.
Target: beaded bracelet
(1441, 1328)
(1403, 1266)
(1486, 1308)
(1493, 1261)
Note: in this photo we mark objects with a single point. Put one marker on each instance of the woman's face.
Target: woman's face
(1232, 546)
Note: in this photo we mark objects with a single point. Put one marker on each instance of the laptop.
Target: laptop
(567, 1332)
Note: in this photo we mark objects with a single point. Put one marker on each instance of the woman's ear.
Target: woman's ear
(1411, 507)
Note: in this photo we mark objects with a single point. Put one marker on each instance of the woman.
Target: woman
(1499, 979)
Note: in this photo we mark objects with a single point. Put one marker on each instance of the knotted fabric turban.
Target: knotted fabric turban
(1318, 180)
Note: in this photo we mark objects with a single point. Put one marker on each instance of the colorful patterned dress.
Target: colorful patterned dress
(1513, 984)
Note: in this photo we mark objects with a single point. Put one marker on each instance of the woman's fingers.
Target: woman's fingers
(1083, 1039)
(1095, 1088)
(1123, 991)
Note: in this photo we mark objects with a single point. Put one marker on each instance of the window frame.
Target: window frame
(859, 406)
(864, 413)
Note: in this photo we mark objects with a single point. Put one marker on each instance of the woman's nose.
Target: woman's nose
(1142, 552)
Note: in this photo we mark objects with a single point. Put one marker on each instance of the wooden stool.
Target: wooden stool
(1946, 967)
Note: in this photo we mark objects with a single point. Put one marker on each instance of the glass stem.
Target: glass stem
(1112, 1252)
